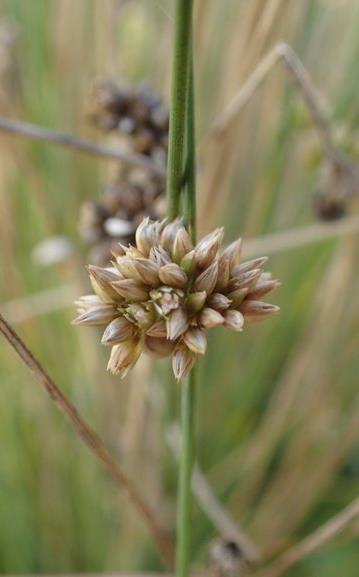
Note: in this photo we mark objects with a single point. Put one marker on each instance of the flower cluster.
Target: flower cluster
(137, 120)
(162, 295)
(133, 111)
(122, 207)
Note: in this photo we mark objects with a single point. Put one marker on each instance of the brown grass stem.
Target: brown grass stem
(91, 440)
(318, 538)
(76, 144)
(282, 52)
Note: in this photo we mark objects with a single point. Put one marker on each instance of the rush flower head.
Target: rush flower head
(162, 295)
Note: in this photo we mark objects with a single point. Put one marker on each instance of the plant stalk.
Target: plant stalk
(190, 212)
(181, 176)
(183, 545)
(180, 76)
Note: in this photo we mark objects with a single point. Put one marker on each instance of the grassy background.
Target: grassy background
(278, 405)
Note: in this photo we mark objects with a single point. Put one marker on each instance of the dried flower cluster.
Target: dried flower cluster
(116, 216)
(162, 296)
(138, 120)
(133, 111)
(339, 184)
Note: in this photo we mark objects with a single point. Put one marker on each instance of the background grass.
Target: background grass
(278, 405)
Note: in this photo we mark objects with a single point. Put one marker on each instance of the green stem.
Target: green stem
(190, 211)
(183, 546)
(181, 126)
(180, 66)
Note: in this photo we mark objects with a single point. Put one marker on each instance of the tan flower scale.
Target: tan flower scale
(161, 296)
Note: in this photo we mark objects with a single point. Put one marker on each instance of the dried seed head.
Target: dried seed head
(164, 294)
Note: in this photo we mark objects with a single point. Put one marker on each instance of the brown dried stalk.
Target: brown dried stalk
(318, 538)
(282, 52)
(74, 143)
(91, 440)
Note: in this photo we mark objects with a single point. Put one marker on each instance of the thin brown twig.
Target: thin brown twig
(75, 143)
(282, 52)
(278, 242)
(308, 545)
(91, 440)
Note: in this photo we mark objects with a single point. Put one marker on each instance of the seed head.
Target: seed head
(162, 295)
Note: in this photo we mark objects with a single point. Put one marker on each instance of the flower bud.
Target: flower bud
(169, 234)
(195, 301)
(237, 296)
(219, 302)
(262, 287)
(177, 324)
(244, 280)
(207, 248)
(182, 245)
(183, 361)
(188, 263)
(172, 275)
(117, 331)
(233, 320)
(96, 316)
(249, 265)
(257, 310)
(131, 290)
(159, 256)
(158, 347)
(210, 318)
(196, 340)
(124, 356)
(158, 329)
(147, 236)
(206, 281)
(87, 302)
(101, 284)
(223, 274)
(139, 269)
(232, 253)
